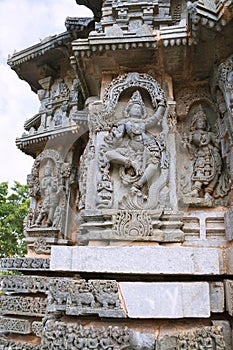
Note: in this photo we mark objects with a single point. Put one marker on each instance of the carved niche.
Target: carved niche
(46, 186)
(204, 179)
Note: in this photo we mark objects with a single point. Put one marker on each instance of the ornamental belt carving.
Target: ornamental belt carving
(25, 264)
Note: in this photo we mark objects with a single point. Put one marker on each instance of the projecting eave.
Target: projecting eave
(50, 57)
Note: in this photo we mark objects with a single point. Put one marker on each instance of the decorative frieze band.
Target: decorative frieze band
(73, 335)
(13, 345)
(15, 325)
(16, 305)
(204, 338)
(24, 264)
(80, 297)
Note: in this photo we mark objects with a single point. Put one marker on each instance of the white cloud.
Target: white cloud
(23, 23)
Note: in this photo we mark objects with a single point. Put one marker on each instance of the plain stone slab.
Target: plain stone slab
(166, 300)
(138, 260)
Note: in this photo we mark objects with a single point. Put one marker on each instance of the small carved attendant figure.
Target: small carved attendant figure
(138, 153)
(207, 161)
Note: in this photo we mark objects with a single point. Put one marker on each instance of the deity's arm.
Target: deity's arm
(158, 115)
(215, 140)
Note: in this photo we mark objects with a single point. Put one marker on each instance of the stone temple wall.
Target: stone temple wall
(129, 230)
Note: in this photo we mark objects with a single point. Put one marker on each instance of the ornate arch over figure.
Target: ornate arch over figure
(135, 80)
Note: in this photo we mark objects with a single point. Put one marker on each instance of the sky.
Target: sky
(24, 23)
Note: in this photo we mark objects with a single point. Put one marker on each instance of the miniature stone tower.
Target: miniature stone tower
(129, 231)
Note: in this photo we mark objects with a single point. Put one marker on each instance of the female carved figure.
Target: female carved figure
(50, 192)
(206, 158)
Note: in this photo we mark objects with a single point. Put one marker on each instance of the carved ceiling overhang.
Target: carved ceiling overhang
(29, 63)
(39, 49)
(213, 15)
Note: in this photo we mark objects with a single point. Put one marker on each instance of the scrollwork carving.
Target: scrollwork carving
(135, 80)
(13, 345)
(133, 224)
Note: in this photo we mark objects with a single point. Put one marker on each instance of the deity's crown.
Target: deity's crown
(199, 115)
(136, 98)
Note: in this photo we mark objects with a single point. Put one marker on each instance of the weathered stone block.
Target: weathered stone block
(166, 300)
(138, 260)
(229, 261)
(229, 296)
(217, 296)
(228, 218)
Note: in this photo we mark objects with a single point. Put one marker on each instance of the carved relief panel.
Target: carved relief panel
(49, 188)
(60, 101)
(126, 164)
(130, 160)
(203, 177)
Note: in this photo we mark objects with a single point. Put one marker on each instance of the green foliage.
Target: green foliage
(14, 204)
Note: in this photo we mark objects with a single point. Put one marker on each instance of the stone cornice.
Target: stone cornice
(172, 35)
(214, 17)
(39, 49)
